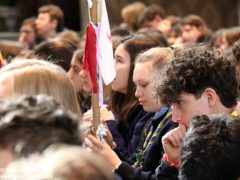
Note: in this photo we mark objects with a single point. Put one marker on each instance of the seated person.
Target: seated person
(31, 77)
(81, 164)
(150, 149)
(81, 81)
(59, 51)
(210, 149)
(28, 34)
(199, 81)
(29, 124)
(194, 29)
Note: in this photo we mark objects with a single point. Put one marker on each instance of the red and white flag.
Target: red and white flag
(104, 48)
(90, 56)
(99, 52)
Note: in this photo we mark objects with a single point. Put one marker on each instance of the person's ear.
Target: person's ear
(54, 23)
(211, 96)
(201, 30)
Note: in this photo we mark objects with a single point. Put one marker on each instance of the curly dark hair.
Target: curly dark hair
(31, 123)
(210, 149)
(236, 50)
(195, 69)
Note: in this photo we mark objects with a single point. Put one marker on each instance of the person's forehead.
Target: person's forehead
(76, 62)
(142, 72)
(26, 27)
(187, 27)
(165, 21)
(44, 15)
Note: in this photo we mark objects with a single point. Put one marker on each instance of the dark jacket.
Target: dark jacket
(155, 150)
(153, 154)
(127, 136)
(164, 172)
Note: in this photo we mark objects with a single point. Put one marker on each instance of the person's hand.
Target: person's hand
(88, 117)
(103, 149)
(172, 142)
(106, 114)
(108, 136)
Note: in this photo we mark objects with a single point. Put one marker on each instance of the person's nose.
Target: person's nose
(21, 38)
(70, 74)
(138, 92)
(176, 114)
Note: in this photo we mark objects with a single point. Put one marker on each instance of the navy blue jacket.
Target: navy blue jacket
(127, 136)
(164, 172)
(153, 155)
(155, 151)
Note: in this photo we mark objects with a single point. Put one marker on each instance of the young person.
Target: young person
(210, 149)
(29, 124)
(194, 29)
(199, 81)
(127, 117)
(81, 81)
(28, 34)
(49, 21)
(51, 164)
(150, 148)
(151, 16)
(31, 77)
(130, 14)
(57, 50)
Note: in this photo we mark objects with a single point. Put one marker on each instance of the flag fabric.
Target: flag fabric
(98, 57)
(90, 56)
(104, 48)
(89, 3)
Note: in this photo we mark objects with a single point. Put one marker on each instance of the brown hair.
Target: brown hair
(150, 13)
(71, 36)
(57, 50)
(124, 104)
(197, 21)
(131, 12)
(232, 35)
(55, 13)
(29, 21)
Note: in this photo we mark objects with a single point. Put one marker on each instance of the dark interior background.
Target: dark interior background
(217, 13)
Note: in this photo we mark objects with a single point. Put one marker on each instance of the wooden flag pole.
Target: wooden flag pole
(1, 59)
(95, 96)
(94, 12)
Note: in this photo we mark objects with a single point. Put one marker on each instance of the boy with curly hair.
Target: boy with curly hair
(211, 148)
(199, 81)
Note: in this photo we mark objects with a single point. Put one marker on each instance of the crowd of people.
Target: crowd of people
(171, 112)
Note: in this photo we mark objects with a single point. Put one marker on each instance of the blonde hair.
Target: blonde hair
(158, 56)
(33, 77)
